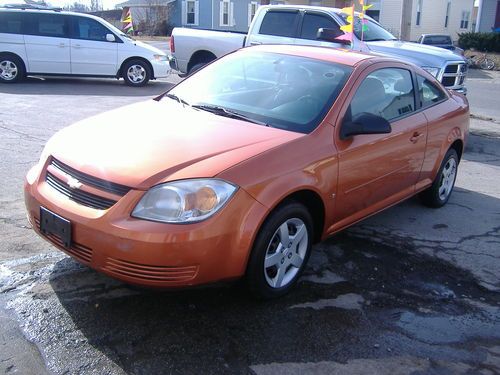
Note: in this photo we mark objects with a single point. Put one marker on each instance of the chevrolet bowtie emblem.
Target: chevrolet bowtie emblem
(73, 183)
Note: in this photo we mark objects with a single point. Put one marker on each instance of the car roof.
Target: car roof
(46, 11)
(336, 55)
(448, 35)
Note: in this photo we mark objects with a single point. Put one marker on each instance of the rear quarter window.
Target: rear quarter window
(279, 24)
(52, 25)
(10, 23)
(429, 93)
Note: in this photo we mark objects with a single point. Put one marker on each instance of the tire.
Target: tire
(276, 264)
(11, 69)
(136, 73)
(440, 191)
(196, 67)
(487, 64)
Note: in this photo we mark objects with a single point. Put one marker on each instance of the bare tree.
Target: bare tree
(157, 16)
(95, 5)
(77, 7)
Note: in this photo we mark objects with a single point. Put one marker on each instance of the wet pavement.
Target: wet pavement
(409, 291)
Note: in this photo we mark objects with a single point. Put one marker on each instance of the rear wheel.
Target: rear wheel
(440, 191)
(197, 67)
(280, 252)
(11, 69)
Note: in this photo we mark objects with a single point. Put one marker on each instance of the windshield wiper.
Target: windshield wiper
(176, 98)
(221, 111)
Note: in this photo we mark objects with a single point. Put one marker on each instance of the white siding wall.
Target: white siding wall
(433, 17)
(488, 13)
(390, 15)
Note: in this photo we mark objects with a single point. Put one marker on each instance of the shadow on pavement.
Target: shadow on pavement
(224, 330)
(83, 86)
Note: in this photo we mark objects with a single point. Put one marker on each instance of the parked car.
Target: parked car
(240, 168)
(52, 42)
(289, 24)
(441, 41)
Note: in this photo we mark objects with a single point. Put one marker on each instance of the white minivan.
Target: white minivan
(52, 42)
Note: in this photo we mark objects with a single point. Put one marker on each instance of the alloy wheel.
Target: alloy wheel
(286, 252)
(8, 70)
(447, 179)
(136, 73)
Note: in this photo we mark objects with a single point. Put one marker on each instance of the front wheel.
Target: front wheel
(136, 73)
(440, 191)
(280, 252)
(487, 64)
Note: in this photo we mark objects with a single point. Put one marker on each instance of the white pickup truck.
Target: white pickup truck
(292, 24)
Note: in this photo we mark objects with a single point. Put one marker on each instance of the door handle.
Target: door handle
(255, 43)
(77, 45)
(62, 45)
(416, 136)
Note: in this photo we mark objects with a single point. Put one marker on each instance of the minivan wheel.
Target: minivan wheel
(136, 73)
(280, 251)
(440, 191)
(11, 69)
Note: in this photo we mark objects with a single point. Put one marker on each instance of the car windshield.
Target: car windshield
(373, 31)
(283, 91)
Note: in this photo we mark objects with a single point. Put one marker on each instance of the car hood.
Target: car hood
(153, 50)
(156, 141)
(418, 54)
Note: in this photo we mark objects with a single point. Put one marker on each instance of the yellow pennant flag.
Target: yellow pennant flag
(347, 28)
(348, 10)
(366, 7)
(127, 20)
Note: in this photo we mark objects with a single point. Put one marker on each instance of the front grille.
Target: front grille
(98, 183)
(146, 273)
(78, 195)
(454, 75)
(76, 250)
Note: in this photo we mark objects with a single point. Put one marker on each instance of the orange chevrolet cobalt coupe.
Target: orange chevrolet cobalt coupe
(240, 168)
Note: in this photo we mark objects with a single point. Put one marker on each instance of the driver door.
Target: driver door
(378, 170)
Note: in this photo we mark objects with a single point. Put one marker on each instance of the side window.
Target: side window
(279, 24)
(386, 92)
(313, 22)
(54, 25)
(429, 93)
(89, 29)
(10, 23)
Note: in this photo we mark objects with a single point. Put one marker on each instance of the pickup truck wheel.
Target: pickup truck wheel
(440, 191)
(11, 69)
(280, 251)
(196, 67)
(136, 73)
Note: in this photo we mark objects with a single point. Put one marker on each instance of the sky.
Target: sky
(107, 4)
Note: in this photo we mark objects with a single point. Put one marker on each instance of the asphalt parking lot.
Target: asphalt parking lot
(410, 290)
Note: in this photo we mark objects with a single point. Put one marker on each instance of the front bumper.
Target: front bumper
(148, 253)
(161, 69)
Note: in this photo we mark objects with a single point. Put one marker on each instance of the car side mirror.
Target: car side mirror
(331, 35)
(110, 38)
(365, 123)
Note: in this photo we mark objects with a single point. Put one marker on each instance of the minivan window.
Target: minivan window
(54, 25)
(313, 22)
(89, 29)
(10, 23)
(279, 24)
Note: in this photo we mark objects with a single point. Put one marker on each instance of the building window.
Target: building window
(464, 22)
(190, 10)
(252, 9)
(226, 13)
(419, 12)
(446, 19)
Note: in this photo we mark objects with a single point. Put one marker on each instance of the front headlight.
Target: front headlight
(431, 70)
(160, 57)
(184, 201)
